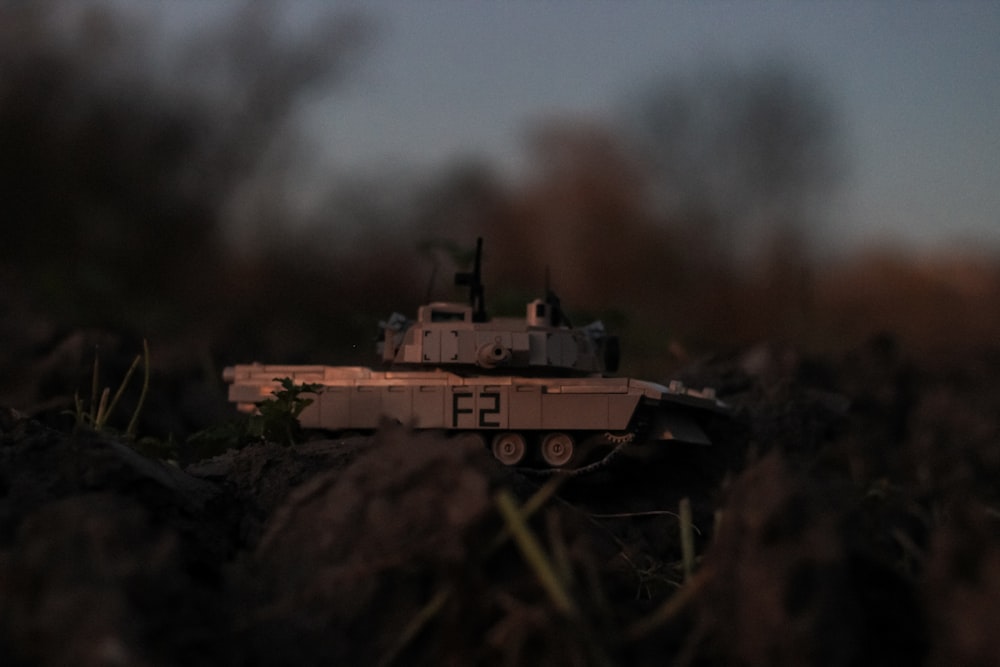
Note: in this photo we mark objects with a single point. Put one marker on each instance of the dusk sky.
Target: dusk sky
(915, 87)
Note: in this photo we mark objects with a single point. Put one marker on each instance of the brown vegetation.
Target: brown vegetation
(847, 515)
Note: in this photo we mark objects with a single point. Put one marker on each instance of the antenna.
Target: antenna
(555, 305)
(430, 282)
(475, 283)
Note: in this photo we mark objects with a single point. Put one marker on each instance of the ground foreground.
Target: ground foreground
(846, 515)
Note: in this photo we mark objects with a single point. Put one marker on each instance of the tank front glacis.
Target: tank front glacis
(527, 388)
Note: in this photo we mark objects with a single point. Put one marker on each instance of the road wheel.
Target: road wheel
(509, 448)
(557, 449)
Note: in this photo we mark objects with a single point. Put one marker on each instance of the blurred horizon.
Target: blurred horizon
(909, 89)
(162, 175)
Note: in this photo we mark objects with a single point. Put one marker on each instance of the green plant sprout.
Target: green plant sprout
(278, 419)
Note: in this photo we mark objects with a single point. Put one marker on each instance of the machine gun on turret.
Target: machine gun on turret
(474, 280)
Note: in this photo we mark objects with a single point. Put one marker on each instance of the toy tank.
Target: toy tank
(535, 390)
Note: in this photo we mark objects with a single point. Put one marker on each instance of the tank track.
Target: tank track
(638, 430)
(622, 442)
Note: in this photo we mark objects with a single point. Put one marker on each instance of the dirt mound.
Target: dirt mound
(106, 557)
(845, 515)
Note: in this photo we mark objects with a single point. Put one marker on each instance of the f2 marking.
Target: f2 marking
(488, 408)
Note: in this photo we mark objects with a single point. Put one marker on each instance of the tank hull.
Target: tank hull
(359, 398)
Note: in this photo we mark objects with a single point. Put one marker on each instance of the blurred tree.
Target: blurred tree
(746, 154)
(119, 163)
(463, 201)
(581, 213)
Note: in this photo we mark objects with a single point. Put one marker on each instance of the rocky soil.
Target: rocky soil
(848, 514)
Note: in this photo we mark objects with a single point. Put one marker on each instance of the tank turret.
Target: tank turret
(457, 335)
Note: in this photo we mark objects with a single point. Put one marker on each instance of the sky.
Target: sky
(915, 86)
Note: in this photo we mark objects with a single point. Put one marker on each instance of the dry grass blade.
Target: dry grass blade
(533, 554)
(672, 607)
(557, 545)
(693, 583)
(130, 431)
(437, 602)
(416, 625)
(687, 538)
(533, 504)
(102, 410)
(102, 405)
(103, 415)
(94, 382)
